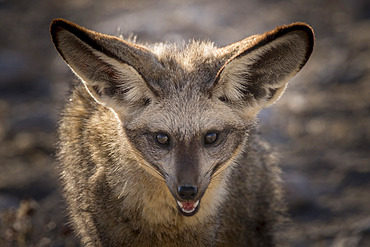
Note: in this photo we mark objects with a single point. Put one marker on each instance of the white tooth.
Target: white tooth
(188, 211)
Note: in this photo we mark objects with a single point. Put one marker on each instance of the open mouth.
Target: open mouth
(188, 208)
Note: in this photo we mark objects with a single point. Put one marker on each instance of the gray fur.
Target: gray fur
(121, 185)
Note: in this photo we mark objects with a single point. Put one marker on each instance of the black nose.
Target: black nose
(187, 192)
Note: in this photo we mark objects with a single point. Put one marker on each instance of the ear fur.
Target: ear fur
(112, 70)
(259, 72)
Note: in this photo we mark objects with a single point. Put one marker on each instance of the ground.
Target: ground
(320, 127)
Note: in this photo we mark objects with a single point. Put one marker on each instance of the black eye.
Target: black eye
(163, 139)
(210, 138)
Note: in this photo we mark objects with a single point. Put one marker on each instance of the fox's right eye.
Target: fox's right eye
(210, 138)
(163, 139)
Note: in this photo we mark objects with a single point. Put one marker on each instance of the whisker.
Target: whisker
(123, 190)
(142, 162)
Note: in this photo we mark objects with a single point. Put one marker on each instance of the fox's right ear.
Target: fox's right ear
(260, 66)
(112, 70)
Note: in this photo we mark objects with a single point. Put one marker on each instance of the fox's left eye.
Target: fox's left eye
(163, 139)
(210, 138)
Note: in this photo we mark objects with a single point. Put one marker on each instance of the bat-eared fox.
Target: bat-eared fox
(158, 143)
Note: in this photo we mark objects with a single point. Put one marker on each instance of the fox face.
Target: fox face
(188, 143)
(185, 111)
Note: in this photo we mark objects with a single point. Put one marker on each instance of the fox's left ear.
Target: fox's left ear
(115, 72)
(258, 73)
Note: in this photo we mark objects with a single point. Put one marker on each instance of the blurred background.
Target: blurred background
(320, 127)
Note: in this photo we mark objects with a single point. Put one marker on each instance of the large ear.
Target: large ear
(258, 73)
(114, 71)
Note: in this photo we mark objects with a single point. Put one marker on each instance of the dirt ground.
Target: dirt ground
(320, 127)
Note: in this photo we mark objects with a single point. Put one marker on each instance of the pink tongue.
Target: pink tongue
(188, 205)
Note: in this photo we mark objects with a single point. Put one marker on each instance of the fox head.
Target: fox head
(185, 111)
